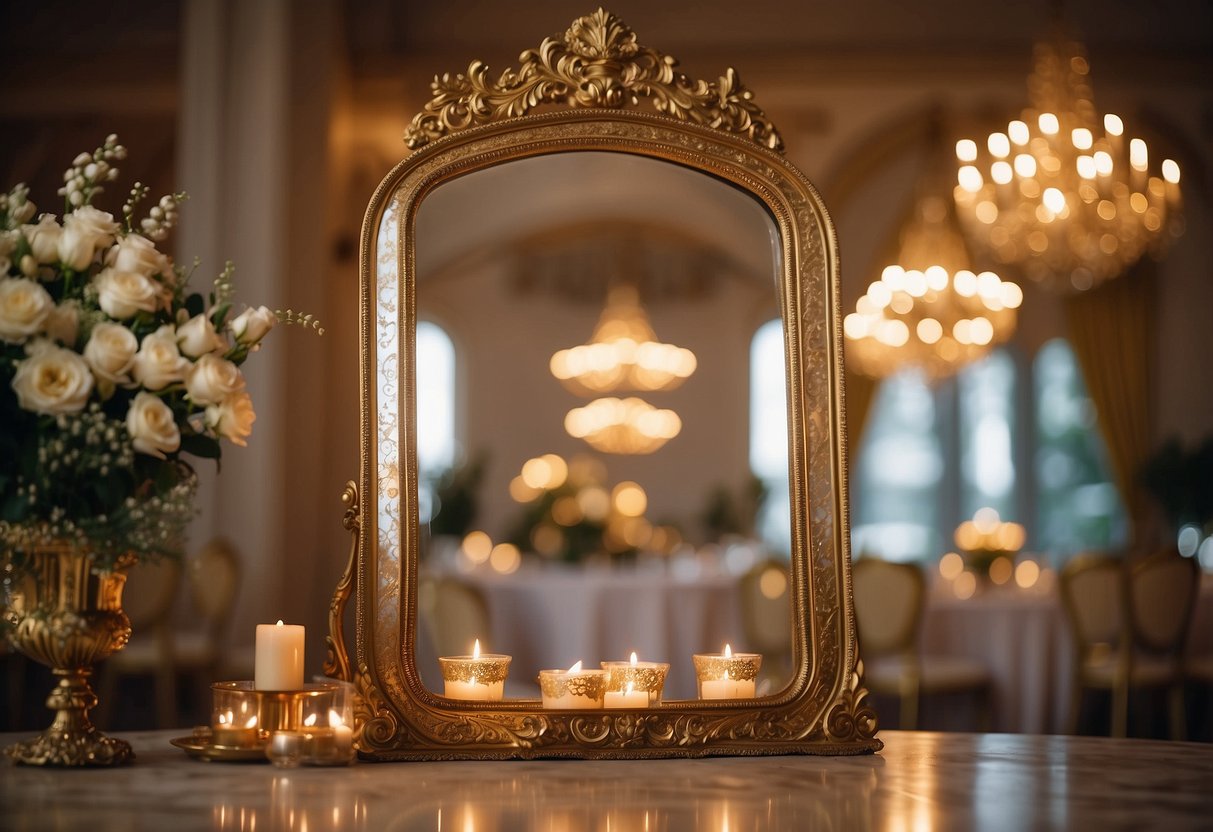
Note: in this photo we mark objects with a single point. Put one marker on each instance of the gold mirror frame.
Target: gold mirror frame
(596, 72)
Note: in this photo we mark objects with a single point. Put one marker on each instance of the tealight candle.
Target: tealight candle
(727, 675)
(475, 677)
(629, 697)
(572, 689)
(278, 664)
(227, 733)
(647, 678)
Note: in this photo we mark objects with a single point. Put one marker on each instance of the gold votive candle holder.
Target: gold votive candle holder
(244, 717)
(572, 689)
(727, 675)
(479, 677)
(624, 679)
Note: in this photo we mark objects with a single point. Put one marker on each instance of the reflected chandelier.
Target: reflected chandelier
(622, 426)
(929, 310)
(1068, 204)
(623, 353)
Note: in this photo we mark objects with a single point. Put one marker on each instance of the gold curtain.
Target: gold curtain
(1112, 332)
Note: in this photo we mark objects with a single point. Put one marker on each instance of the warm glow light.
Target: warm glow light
(1170, 171)
(728, 651)
(1054, 200)
(477, 546)
(622, 426)
(1025, 165)
(1001, 172)
(633, 659)
(951, 565)
(629, 499)
(476, 649)
(576, 668)
(929, 330)
(969, 178)
(1048, 124)
(505, 558)
(999, 145)
(966, 150)
(965, 585)
(1139, 157)
(310, 722)
(1112, 125)
(773, 583)
(1085, 166)
(986, 520)
(1026, 574)
(1081, 137)
(1000, 570)
(335, 720)
(1018, 133)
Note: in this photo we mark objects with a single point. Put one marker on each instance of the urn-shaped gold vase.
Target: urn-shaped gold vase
(62, 613)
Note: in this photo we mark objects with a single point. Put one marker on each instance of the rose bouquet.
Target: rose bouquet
(112, 373)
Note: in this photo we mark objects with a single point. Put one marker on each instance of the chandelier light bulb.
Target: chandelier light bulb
(966, 150)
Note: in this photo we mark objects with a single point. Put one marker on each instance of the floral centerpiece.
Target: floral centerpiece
(113, 375)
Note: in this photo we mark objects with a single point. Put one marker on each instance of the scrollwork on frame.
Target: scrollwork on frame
(598, 63)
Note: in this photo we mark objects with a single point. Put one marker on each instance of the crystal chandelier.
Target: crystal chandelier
(623, 354)
(1067, 203)
(622, 426)
(929, 309)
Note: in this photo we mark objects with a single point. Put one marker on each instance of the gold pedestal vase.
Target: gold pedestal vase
(62, 613)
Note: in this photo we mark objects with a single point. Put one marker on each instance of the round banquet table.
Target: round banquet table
(551, 617)
(919, 781)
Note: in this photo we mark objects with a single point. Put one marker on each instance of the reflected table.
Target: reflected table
(920, 781)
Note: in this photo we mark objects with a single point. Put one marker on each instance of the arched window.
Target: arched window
(769, 434)
(436, 445)
(1078, 507)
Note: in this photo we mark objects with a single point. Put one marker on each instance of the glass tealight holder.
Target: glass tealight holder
(476, 677)
(244, 717)
(727, 675)
(323, 737)
(573, 689)
(630, 677)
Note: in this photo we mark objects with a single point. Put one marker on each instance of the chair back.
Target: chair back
(458, 616)
(1091, 590)
(150, 592)
(1161, 594)
(766, 608)
(889, 601)
(214, 579)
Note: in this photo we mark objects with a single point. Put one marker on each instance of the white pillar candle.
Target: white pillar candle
(279, 658)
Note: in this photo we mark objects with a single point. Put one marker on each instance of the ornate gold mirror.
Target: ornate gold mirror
(599, 473)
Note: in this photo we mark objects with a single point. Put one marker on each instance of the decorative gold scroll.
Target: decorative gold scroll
(596, 63)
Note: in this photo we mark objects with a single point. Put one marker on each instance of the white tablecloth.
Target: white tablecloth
(1024, 640)
(552, 617)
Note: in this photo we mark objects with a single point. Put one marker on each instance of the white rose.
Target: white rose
(110, 352)
(52, 380)
(8, 244)
(44, 239)
(85, 230)
(158, 362)
(151, 425)
(122, 294)
(251, 325)
(133, 253)
(63, 323)
(24, 307)
(198, 337)
(212, 379)
(232, 418)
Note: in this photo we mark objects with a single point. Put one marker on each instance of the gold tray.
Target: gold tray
(200, 749)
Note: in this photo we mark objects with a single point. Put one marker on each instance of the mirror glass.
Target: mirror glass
(639, 503)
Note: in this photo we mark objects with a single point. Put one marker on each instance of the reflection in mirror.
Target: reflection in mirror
(602, 436)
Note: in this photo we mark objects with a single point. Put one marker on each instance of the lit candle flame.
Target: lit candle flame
(476, 649)
(575, 668)
(310, 722)
(728, 652)
(633, 658)
(279, 624)
(252, 722)
(335, 720)
(225, 719)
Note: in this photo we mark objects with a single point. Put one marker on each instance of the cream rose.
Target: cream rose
(212, 379)
(110, 352)
(251, 325)
(63, 323)
(85, 230)
(123, 294)
(8, 244)
(232, 418)
(197, 337)
(133, 253)
(44, 239)
(151, 425)
(158, 362)
(24, 307)
(52, 380)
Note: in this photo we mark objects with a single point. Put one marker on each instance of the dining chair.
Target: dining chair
(159, 647)
(149, 596)
(766, 618)
(1129, 624)
(457, 615)
(890, 599)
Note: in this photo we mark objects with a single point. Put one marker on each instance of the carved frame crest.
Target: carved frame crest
(823, 710)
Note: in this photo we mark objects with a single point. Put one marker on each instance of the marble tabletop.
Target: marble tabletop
(919, 781)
